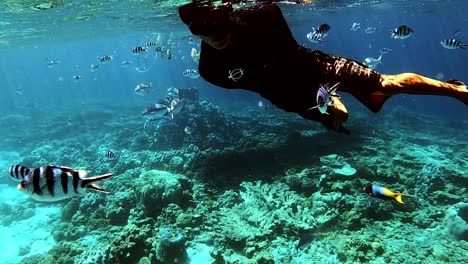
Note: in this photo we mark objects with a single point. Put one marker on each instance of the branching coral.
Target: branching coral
(265, 208)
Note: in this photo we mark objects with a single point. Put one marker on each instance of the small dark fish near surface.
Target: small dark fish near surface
(305, 240)
(56, 183)
(105, 58)
(52, 63)
(402, 32)
(18, 172)
(139, 50)
(109, 154)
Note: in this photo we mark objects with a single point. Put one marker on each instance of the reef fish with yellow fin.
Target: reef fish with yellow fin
(384, 193)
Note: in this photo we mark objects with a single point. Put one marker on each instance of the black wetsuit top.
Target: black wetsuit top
(273, 63)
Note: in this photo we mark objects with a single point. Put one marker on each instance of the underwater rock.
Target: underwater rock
(184, 220)
(118, 206)
(91, 202)
(176, 163)
(157, 189)
(171, 246)
(338, 164)
(10, 213)
(190, 94)
(346, 170)
(456, 221)
(144, 260)
(70, 208)
(130, 244)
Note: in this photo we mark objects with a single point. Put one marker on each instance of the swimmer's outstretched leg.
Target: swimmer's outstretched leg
(412, 83)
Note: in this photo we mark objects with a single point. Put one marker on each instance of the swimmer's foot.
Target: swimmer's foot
(412, 83)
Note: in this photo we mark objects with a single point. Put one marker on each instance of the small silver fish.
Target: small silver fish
(175, 107)
(355, 26)
(191, 40)
(188, 130)
(372, 63)
(125, 63)
(143, 89)
(262, 105)
(172, 92)
(191, 73)
(155, 112)
(19, 91)
(94, 67)
(195, 55)
(52, 63)
(168, 54)
(56, 183)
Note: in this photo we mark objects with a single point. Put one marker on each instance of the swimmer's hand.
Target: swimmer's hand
(339, 115)
(333, 120)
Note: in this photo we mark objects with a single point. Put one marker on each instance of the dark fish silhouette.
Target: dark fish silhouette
(305, 240)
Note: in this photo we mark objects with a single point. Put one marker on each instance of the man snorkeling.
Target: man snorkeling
(253, 49)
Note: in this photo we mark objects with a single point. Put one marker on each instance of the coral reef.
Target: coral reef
(456, 221)
(242, 187)
(171, 246)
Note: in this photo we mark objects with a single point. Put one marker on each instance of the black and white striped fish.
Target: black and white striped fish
(139, 50)
(402, 32)
(18, 172)
(151, 43)
(370, 30)
(322, 29)
(385, 50)
(324, 95)
(452, 44)
(105, 58)
(109, 154)
(315, 38)
(55, 183)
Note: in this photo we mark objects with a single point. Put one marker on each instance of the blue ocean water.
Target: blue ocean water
(239, 158)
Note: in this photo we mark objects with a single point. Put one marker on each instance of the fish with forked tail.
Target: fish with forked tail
(56, 183)
(384, 193)
(18, 172)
